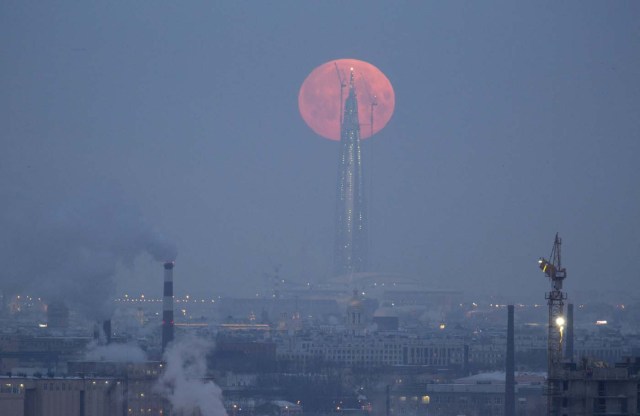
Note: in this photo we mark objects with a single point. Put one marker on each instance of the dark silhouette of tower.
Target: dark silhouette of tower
(568, 352)
(350, 252)
(510, 383)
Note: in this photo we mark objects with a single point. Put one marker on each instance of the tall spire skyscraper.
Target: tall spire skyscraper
(350, 252)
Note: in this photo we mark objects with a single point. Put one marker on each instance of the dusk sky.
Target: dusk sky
(513, 121)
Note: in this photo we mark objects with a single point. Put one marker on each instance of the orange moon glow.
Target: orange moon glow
(319, 97)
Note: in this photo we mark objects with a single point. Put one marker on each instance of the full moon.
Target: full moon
(320, 103)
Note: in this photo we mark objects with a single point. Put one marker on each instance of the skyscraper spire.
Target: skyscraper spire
(350, 252)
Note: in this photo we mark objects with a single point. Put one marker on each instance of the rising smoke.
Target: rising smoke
(183, 382)
(67, 245)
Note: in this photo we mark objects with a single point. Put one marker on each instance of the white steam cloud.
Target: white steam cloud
(183, 382)
(67, 245)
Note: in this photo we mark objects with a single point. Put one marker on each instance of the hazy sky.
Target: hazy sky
(513, 121)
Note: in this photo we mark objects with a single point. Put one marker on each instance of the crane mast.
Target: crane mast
(342, 86)
(374, 102)
(553, 269)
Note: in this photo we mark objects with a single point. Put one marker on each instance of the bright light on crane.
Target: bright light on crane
(546, 267)
(560, 321)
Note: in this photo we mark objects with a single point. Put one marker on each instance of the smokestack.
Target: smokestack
(388, 401)
(102, 332)
(465, 361)
(106, 328)
(167, 306)
(57, 315)
(568, 352)
(510, 383)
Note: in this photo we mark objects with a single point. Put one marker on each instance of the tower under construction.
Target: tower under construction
(350, 252)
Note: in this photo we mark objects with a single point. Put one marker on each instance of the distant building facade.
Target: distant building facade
(371, 351)
(52, 353)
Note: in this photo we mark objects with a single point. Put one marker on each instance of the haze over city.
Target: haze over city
(512, 122)
(301, 208)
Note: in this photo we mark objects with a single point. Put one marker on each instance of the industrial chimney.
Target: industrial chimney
(510, 383)
(568, 352)
(167, 306)
(102, 332)
(57, 315)
(106, 328)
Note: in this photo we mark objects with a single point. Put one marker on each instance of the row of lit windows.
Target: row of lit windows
(61, 386)
(473, 400)
(10, 388)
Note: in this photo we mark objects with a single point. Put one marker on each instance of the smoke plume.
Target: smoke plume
(183, 382)
(67, 245)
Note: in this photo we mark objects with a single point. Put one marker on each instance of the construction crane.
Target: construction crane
(342, 87)
(553, 269)
(374, 102)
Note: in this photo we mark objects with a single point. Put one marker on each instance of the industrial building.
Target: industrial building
(92, 388)
(101, 396)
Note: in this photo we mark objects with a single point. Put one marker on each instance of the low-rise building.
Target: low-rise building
(483, 395)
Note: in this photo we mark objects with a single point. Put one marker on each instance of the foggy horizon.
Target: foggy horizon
(132, 131)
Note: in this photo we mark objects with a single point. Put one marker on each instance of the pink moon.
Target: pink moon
(319, 97)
